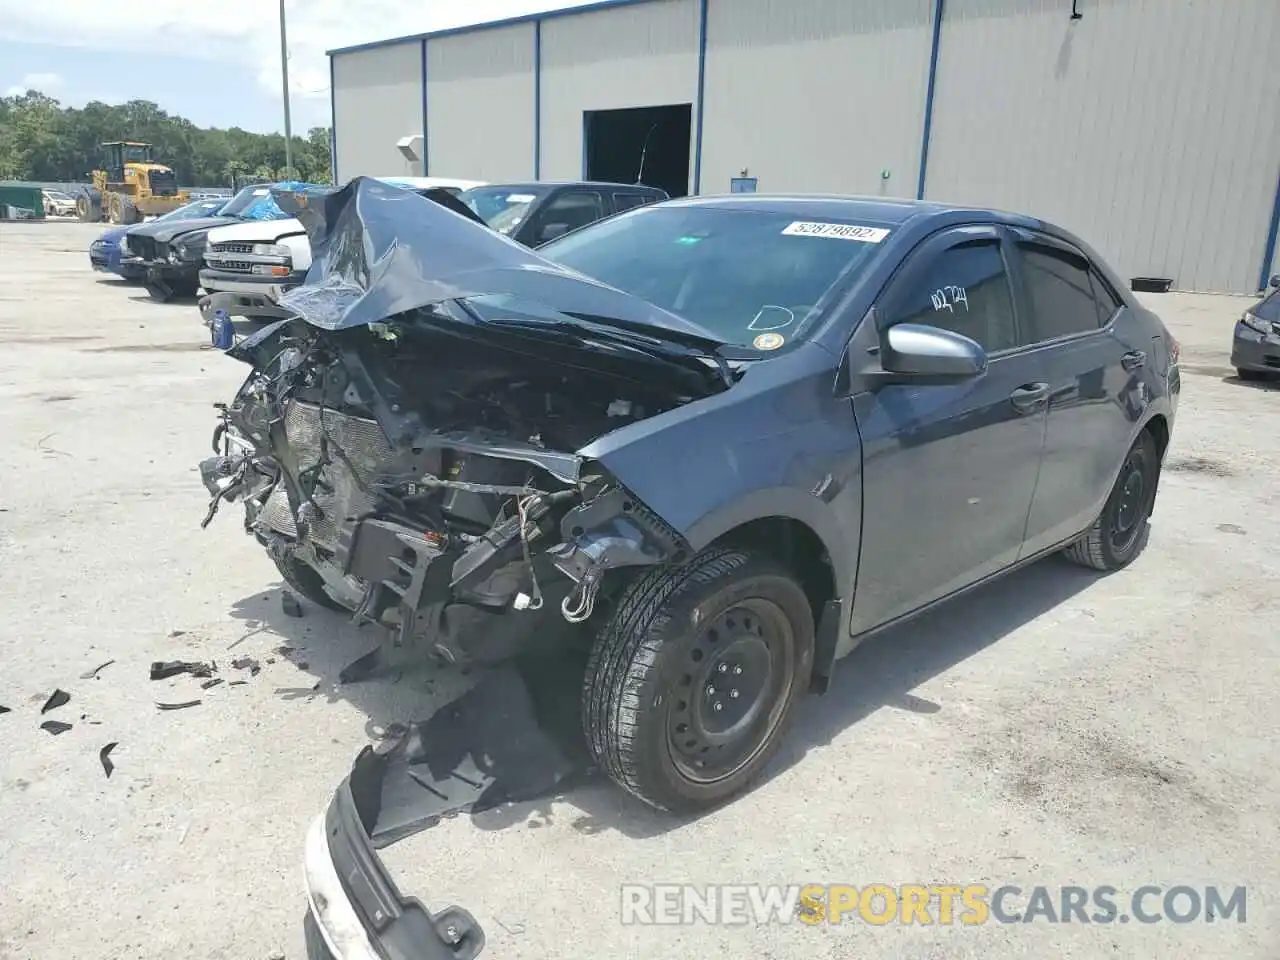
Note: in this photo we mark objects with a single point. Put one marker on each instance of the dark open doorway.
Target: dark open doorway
(640, 145)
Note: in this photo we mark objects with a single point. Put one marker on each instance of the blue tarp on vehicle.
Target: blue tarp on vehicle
(266, 208)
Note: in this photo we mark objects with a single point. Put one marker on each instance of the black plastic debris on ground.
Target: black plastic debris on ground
(4, 709)
(210, 684)
(164, 669)
(507, 740)
(247, 663)
(105, 756)
(289, 604)
(93, 674)
(56, 699)
(179, 706)
(55, 727)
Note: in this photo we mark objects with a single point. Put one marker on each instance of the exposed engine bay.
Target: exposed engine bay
(426, 479)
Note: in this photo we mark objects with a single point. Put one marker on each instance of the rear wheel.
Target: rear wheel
(306, 583)
(1116, 536)
(1250, 375)
(129, 212)
(691, 684)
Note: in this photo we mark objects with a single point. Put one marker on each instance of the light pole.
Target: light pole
(284, 78)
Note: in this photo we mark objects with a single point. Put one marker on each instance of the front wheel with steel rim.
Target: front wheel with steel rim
(1117, 535)
(691, 683)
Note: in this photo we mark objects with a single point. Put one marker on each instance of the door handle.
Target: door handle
(1028, 397)
(1133, 360)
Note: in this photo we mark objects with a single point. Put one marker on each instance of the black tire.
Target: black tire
(1253, 376)
(129, 212)
(1116, 537)
(307, 583)
(662, 663)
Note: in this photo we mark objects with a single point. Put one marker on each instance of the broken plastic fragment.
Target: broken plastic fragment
(56, 699)
(179, 706)
(247, 663)
(55, 726)
(105, 756)
(164, 669)
(289, 604)
(208, 684)
(93, 674)
(5, 710)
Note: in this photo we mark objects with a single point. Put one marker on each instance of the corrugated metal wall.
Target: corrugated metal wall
(1150, 127)
(632, 56)
(816, 95)
(377, 99)
(480, 104)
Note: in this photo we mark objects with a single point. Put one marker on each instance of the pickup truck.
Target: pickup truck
(249, 266)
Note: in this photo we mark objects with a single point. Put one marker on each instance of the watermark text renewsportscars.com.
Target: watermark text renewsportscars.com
(880, 904)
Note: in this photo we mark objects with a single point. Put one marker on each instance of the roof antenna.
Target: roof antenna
(644, 151)
(1075, 10)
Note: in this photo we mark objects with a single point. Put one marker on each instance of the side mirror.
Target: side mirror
(918, 350)
(552, 230)
(1275, 281)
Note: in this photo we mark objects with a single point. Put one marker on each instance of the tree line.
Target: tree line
(41, 140)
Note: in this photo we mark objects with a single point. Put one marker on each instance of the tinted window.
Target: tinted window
(965, 290)
(1108, 302)
(574, 210)
(739, 273)
(1061, 293)
(625, 201)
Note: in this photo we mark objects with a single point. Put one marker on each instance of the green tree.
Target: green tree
(42, 140)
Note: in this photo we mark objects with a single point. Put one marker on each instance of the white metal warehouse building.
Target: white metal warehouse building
(1149, 127)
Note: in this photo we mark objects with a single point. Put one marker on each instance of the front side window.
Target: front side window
(752, 277)
(964, 289)
(625, 201)
(1061, 293)
(569, 211)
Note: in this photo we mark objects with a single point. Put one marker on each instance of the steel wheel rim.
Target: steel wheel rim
(732, 691)
(1127, 516)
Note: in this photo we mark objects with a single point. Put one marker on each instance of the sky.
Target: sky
(217, 64)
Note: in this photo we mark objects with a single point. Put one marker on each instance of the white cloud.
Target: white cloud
(44, 82)
(245, 33)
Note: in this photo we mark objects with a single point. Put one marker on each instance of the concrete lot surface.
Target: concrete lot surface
(1055, 729)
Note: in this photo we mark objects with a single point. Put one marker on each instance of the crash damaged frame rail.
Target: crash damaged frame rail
(568, 512)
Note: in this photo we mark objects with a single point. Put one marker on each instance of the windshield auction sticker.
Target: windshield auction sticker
(836, 231)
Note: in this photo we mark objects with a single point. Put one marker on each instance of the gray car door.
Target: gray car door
(949, 469)
(1098, 359)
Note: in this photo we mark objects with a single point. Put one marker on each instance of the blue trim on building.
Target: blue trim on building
(491, 24)
(928, 97)
(425, 162)
(333, 127)
(1273, 235)
(537, 99)
(702, 89)
(586, 125)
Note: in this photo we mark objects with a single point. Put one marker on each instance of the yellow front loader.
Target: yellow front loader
(129, 186)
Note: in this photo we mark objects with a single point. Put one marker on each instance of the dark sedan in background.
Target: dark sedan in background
(1255, 347)
(105, 253)
(535, 213)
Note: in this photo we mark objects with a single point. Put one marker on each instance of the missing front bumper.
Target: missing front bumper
(355, 907)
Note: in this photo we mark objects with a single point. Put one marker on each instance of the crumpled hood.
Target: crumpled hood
(114, 234)
(378, 251)
(165, 231)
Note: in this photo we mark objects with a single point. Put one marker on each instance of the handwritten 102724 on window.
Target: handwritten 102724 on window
(946, 299)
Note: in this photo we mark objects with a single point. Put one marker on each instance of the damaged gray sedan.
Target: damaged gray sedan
(686, 438)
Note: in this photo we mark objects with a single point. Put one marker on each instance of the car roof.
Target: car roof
(427, 183)
(879, 209)
(543, 184)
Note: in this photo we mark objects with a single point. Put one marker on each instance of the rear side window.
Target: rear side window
(574, 210)
(1061, 289)
(625, 201)
(964, 289)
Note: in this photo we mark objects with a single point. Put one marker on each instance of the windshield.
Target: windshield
(502, 208)
(751, 277)
(57, 195)
(136, 154)
(246, 198)
(195, 210)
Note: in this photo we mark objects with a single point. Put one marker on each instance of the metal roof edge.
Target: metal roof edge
(489, 25)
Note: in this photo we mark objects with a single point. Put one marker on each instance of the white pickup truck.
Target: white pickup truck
(248, 266)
